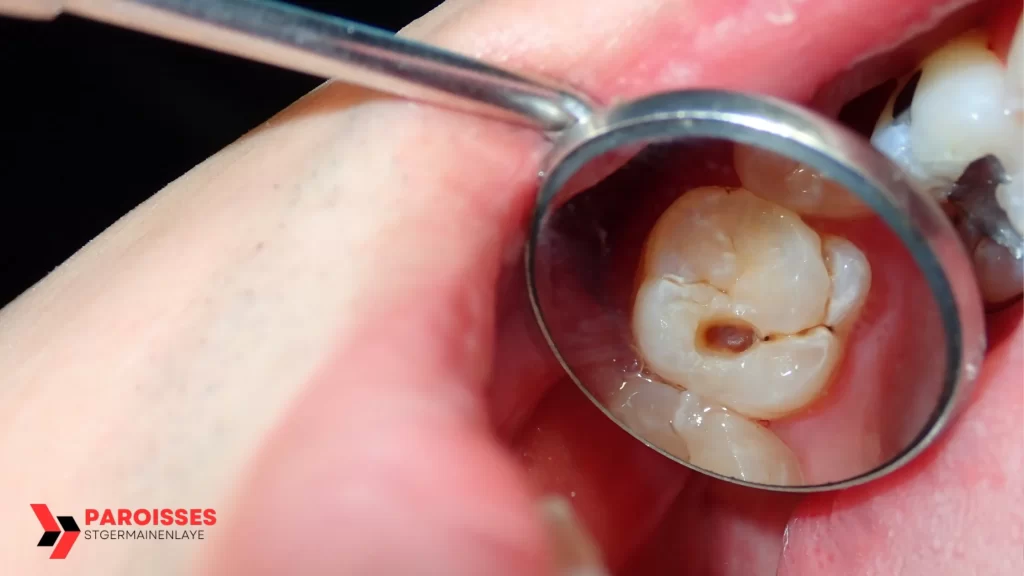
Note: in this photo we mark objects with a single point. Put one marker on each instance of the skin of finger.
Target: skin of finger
(619, 488)
(192, 324)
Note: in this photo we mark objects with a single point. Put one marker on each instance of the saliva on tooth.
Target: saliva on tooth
(961, 112)
(742, 313)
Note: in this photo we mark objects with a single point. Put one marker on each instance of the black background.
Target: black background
(96, 119)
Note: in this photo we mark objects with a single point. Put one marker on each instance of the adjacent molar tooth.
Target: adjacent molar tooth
(891, 136)
(1000, 275)
(794, 186)
(735, 300)
(959, 111)
(648, 408)
(1015, 71)
(731, 445)
(704, 433)
(966, 106)
(1010, 197)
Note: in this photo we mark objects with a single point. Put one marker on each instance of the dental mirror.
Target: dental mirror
(752, 291)
(745, 286)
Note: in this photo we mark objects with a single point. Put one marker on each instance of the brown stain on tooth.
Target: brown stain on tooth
(727, 336)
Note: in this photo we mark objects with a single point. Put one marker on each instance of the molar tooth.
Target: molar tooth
(793, 185)
(891, 136)
(648, 407)
(851, 279)
(704, 433)
(731, 445)
(959, 110)
(771, 379)
(751, 339)
(1015, 71)
(962, 110)
(1000, 275)
(1010, 197)
(967, 106)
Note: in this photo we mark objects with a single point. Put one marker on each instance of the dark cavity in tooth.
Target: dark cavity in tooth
(973, 201)
(727, 336)
(906, 96)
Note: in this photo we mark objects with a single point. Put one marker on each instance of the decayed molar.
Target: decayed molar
(964, 105)
(737, 300)
(703, 433)
(794, 186)
(961, 105)
(1000, 275)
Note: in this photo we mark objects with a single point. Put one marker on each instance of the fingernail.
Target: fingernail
(574, 552)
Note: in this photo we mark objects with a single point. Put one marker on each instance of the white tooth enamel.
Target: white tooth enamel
(1015, 70)
(762, 255)
(1000, 275)
(718, 257)
(892, 137)
(959, 110)
(1010, 197)
(851, 279)
(793, 185)
(703, 433)
(731, 445)
(648, 408)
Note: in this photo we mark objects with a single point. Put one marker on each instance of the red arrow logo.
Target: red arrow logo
(52, 531)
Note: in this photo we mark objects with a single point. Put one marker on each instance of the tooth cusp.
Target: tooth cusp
(851, 280)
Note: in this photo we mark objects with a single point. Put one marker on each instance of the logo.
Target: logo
(120, 524)
(63, 534)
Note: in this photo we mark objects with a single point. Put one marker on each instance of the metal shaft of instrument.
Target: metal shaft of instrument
(330, 47)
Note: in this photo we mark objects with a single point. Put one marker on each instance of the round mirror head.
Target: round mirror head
(750, 290)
